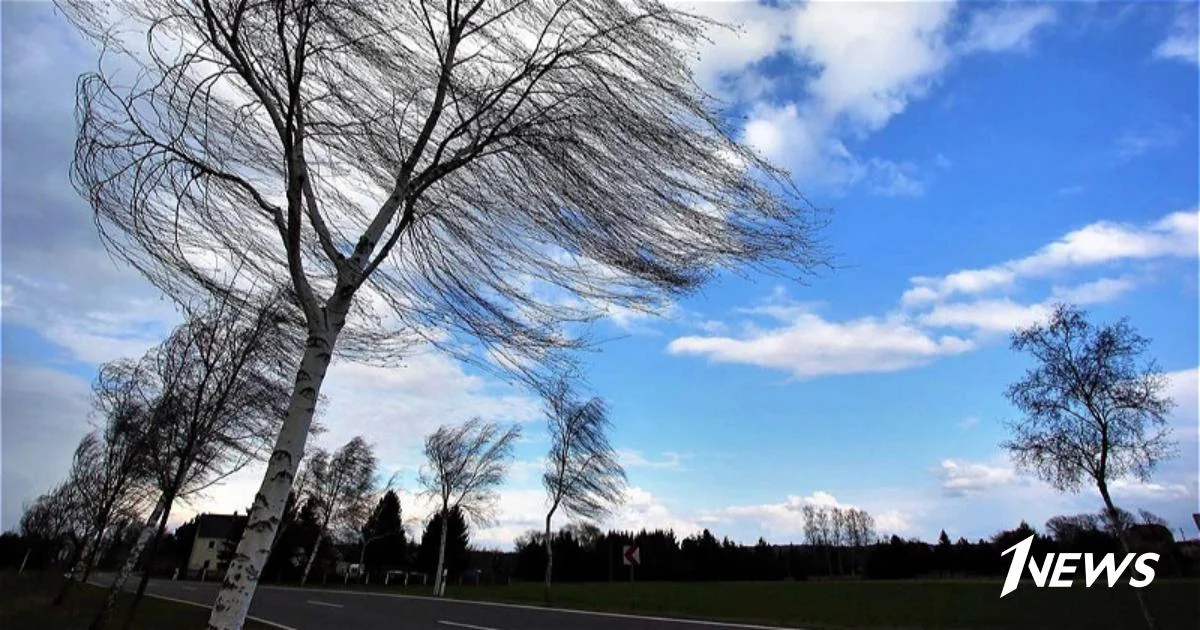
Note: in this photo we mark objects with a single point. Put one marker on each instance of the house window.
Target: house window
(211, 543)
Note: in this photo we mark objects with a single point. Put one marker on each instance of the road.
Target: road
(319, 609)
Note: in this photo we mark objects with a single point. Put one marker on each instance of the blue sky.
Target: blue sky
(980, 160)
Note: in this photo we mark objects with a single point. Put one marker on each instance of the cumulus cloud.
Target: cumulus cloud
(858, 65)
(1095, 292)
(1001, 315)
(944, 315)
(963, 478)
(806, 344)
(785, 519)
(1173, 236)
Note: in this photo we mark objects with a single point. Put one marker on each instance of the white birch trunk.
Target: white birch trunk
(24, 561)
(130, 562)
(241, 579)
(311, 558)
(441, 564)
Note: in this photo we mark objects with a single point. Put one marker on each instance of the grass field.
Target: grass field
(937, 604)
(25, 605)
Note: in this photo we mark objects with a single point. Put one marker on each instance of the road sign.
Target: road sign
(631, 555)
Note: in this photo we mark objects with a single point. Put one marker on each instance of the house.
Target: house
(215, 534)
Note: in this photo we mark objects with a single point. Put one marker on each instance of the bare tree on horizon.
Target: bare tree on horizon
(582, 475)
(339, 485)
(1092, 411)
(215, 391)
(465, 464)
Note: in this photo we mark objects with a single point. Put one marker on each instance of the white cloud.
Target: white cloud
(45, 414)
(1174, 235)
(785, 520)
(630, 458)
(805, 344)
(1005, 28)
(1146, 490)
(961, 478)
(860, 65)
(1132, 144)
(1183, 41)
(1001, 315)
(969, 422)
(1095, 292)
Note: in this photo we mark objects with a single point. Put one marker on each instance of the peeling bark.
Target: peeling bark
(241, 579)
(131, 561)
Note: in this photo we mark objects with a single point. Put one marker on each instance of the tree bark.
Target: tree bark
(312, 557)
(237, 590)
(110, 600)
(549, 558)
(438, 587)
(24, 560)
(1115, 519)
(151, 552)
(78, 561)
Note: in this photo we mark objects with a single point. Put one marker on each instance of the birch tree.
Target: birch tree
(340, 486)
(472, 176)
(464, 466)
(108, 470)
(1092, 410)
(217, 390)
(582, 475)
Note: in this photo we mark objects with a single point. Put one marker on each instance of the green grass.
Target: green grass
(939, 604)
(25, 605)
(872, 604)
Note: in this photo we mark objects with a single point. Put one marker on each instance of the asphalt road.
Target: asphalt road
(317, 609)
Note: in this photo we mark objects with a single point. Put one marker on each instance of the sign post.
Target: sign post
(632, 557)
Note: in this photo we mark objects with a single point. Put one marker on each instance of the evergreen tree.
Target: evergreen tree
(383, 536)
(457, 540)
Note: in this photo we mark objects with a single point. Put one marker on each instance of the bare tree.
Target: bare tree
(582, 475)
(464, 466)
(341, 489)
(469, 175)
(108, 470)
(54, 518)
(216, 391)
(839, 528)
(1092, 410)
(860, 529)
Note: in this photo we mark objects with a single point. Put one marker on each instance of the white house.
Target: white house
(214, 533)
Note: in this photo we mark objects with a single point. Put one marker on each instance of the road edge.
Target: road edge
(576, 611)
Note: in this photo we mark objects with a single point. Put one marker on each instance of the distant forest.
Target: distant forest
(585, 553)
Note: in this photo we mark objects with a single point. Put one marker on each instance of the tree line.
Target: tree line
(400, 189)
(589, 555)
(205, 402)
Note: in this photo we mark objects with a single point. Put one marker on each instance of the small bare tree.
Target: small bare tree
(340, 486)
(54, 518)
(108, 470)
(216, 391)
(1092, 410)
(472, 175)
(464, 466)
(582, 475)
